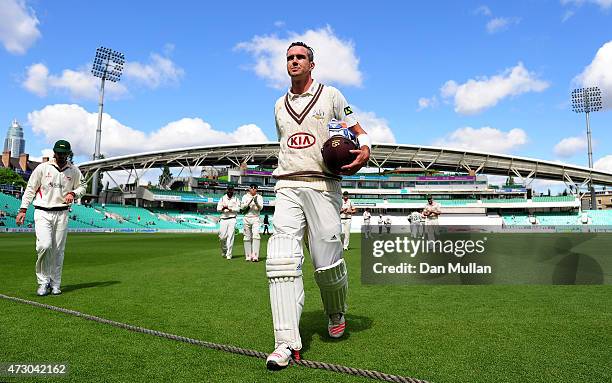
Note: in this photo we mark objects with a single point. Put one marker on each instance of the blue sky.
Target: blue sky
(484, 75)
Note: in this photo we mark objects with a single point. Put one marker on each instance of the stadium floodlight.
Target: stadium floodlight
(108, 65)
(587, 100)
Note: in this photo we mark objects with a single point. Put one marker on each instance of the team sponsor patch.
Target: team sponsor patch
(301, 140)
(318, 114)
(348, 110)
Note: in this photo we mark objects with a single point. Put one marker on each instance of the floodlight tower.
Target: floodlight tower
(587, 100)
(108, 65)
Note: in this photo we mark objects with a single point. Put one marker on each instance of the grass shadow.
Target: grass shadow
(87, 285)
(314, 323)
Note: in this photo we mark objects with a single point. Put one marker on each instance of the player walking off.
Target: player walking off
(54, 185)
(251, 204)
(431, 211)
(346, 215)
(367, 216)
(229, 206)
(307, 196)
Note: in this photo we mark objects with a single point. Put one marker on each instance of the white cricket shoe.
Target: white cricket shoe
(281, 357)
(336, 325)
(56, 291)
(42, 290)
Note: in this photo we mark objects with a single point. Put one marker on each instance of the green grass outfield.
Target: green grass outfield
(178, 283)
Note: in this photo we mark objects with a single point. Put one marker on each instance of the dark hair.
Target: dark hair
(253, 186)
(301, 44)
(345, 193)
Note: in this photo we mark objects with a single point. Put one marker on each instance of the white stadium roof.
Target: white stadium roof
(383, 155)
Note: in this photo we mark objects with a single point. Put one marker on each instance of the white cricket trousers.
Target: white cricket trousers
(226, 236)
(346, 232)
(250, 229)
(298, 209)
(51, 228)
(367, 228)
(431, 228)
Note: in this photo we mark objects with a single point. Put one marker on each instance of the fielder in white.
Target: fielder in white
(388, 223)
(416, 226)
(431, 212)
(53, 186)
(307, 197)
(251, 205)
(367, 216)
(229, 206)
(346, 215)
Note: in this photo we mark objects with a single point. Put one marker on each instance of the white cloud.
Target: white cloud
(603, 4)
(159, 71)
(79, 84)
(279, 24)
(499, 24)
(569, 146)
(483, 10)
(376, 127)
(37, 79)
(598, 73)
(567, 15)
(18, 26)
(482, 93)
(47, 152)
(485, 139)
(335, 59)
(604, 163)
(74, 123)
(425, 103)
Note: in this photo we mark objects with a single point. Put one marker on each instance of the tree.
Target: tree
(165, 177)
(510, 181)
(10, 177)
(549, 192)
(564, 192)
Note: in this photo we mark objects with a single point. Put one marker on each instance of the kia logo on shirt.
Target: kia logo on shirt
(301, 140)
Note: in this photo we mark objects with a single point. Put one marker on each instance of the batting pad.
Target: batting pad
(284, 271)
(248, 249)
(256, 242)
(333, 283)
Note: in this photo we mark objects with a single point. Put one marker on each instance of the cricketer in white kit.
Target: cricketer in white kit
(416, 224)
(431, 212)
(367, 217)
(307, 198)
(229, 206)
(251, 204)
(346, 214)
(53, 186)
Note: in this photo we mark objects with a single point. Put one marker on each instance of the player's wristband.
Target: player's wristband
(22, 210)
(364, 140)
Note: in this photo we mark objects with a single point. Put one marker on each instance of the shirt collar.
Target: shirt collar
(53, 162)
(309, 92)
